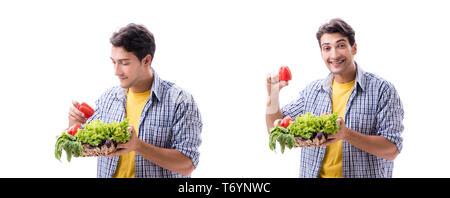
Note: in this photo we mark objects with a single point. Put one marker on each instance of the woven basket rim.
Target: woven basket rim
(98, 151)
(300, 142)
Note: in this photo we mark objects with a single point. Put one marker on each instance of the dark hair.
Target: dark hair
(337, 25)
(136, 39)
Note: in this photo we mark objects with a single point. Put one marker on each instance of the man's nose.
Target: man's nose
(117, 70)
(334, 54)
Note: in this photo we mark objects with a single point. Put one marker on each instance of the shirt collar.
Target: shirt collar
(359, 79)
(155, 89)
(156, 86)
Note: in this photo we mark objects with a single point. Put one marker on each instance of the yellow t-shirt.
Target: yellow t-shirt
(135, 105)
(332, 162)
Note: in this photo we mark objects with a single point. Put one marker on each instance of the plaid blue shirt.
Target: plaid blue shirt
(170, 119)
(373, 108)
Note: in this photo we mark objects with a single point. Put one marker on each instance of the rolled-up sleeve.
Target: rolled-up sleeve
(390, 116)
(187, 128)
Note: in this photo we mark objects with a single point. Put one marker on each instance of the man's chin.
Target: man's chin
(335, 70)
(124, 85)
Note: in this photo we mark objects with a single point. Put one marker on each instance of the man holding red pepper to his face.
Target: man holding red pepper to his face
(165, 118)
(370, 110)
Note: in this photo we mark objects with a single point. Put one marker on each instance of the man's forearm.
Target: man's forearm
(273, 112)
(375, 145)
(170, 159)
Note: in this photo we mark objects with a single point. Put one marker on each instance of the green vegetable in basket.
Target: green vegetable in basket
(304, 126)
(69, 144)
(281, 135)
(307, 124)
(97, 131)
(92, 134)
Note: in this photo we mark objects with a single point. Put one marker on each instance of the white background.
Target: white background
(220, 51)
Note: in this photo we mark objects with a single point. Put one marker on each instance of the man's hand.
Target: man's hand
(341, 134)
(75, 115)
(170, 159)
(274, 85)
(373, 144)
(277, 122)
(131, 145)
(273, 111)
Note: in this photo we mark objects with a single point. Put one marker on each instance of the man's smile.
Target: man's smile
(337, 62)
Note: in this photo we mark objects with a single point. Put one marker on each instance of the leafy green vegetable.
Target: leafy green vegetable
(304, 126)
(281, 135)
(69, 144)
(329, 125)
(97, 131)
(307, 124)
(93, 134)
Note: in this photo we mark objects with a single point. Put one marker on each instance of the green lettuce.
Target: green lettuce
(307, 124)
(97, 131)
(93, 134)
(304, 126)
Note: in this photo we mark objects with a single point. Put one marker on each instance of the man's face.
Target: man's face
(127, 67)
(337, 52)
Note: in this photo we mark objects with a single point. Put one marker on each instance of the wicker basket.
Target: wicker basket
(316, 140)
(105, 149)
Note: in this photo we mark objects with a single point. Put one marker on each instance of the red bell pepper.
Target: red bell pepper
(74, 129)
(284, 74)
(86, 109)
(286, 122)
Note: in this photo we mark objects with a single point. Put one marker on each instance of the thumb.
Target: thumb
(277, 122)
(283, 84)
(131, 130)
(340, 121)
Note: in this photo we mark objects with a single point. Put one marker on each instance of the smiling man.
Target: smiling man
(165, 118)
(370, 111)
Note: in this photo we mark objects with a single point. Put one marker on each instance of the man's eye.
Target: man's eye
(326, 48)
(341, 45)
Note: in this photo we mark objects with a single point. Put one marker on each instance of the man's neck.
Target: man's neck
(346, 76)
(144, 85)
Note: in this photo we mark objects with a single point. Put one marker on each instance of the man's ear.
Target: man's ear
(147, 60)
(354, 49)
